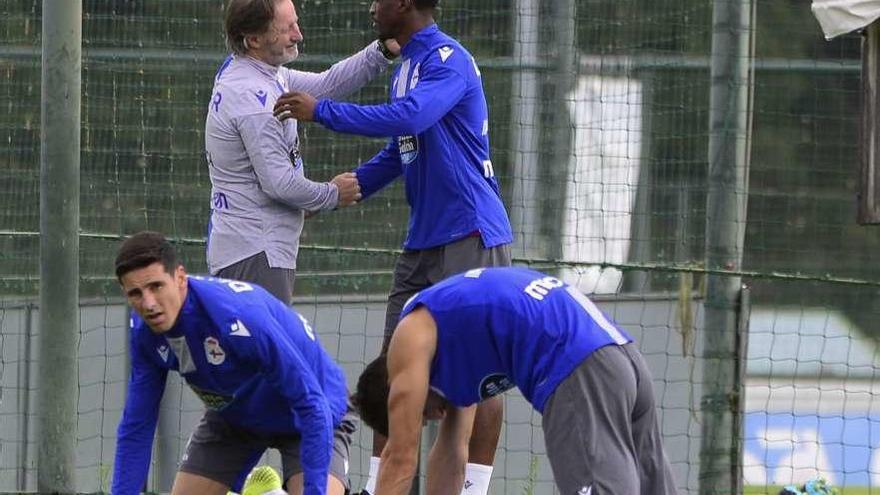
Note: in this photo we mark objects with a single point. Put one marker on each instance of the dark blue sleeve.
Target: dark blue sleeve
(439, 89)
(380, 170)
(134, 436)
(285, 367)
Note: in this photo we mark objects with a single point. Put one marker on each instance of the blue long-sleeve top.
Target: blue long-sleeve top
(438, 123)
(247, 356)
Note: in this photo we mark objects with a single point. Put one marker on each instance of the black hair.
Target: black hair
(426, 4)
(371, 395)
(142, 250)
(245, 18)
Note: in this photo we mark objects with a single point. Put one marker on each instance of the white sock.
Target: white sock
(476, 479)
(374, 473)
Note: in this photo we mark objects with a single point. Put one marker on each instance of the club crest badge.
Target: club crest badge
(213, 352)
(409, 148)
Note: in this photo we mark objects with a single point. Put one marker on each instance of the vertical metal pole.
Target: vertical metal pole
(869, 183)
(564, 77)
(25, 396)
(59, 244)
(720, 462)
(524, 204)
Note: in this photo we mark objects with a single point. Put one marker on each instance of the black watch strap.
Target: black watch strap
(385, 51)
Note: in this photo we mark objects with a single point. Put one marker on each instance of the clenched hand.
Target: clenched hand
(296, 105)
(349, 189)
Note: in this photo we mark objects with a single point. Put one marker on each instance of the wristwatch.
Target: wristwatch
(385, 51)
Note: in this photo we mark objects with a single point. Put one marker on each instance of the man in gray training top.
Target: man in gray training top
(259, 192)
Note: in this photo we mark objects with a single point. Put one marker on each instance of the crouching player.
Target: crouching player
(480, 333)
(255, 363)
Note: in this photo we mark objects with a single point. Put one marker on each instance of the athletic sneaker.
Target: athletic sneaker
(815, 486)
(263, 480)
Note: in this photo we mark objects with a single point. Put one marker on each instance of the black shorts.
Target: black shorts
(419, 269)
(219, 451)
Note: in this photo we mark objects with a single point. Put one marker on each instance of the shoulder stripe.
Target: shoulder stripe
(597, 315)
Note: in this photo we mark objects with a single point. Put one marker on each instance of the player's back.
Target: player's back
(504, 327)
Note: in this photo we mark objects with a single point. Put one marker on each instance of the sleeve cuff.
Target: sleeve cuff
(320, 110)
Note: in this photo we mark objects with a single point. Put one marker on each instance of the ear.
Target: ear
(180, 276)
(406, 5)
(252, 42)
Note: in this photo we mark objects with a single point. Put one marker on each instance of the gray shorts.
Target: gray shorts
(418, 269)
(256, 269)
(219, 451)
(601, 428)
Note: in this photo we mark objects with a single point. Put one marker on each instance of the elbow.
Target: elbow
(411, 118)
(412, 122)
(276, 196)
(299, 199)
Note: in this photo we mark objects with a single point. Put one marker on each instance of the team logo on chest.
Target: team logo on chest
(409, 148)
(213, 352)
(163, 352)
(261, 96)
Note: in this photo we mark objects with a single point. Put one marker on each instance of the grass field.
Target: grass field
(774, 490)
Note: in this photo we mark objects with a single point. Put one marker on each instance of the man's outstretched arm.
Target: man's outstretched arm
(409, 362)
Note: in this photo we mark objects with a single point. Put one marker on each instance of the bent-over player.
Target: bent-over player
(478, 334)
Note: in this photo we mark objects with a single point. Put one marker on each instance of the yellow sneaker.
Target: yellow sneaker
(262, 480)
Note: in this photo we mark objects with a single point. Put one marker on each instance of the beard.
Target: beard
(288, 55)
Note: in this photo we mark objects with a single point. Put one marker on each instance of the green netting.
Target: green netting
(600, 140)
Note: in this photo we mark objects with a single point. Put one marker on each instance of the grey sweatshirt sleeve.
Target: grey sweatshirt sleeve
(280, 179)
(343, 78)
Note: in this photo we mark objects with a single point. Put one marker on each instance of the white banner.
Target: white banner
(843, 16)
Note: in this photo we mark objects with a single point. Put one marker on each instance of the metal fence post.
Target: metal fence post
(59, 244)
(729, 109)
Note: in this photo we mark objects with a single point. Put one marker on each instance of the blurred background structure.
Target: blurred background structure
(692, 164)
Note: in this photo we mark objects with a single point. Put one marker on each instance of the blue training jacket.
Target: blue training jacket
(247, 356)
(439, 127)
(499, 328)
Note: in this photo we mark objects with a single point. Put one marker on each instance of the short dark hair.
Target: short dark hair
(371, 396)
(142, 250)
(246, 18)
(426, 4)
